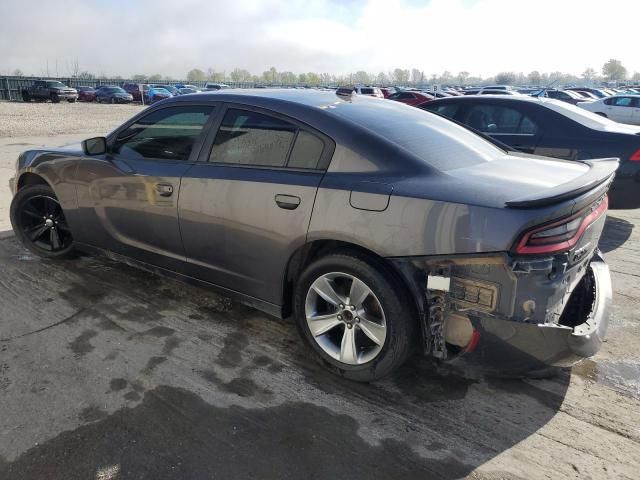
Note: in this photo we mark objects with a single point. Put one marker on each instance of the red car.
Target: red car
(387, 92)
(412, 98)
(133, 89)
(86, 94)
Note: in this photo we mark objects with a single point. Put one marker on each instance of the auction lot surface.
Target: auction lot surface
(111, 372)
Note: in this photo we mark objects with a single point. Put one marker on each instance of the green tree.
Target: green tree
(614, 70)
(313, 78)
(361, 77)
(636, 77)
(137, 77)
(589, 75)
(17, 73)
(240, 75)
(505, 78)
(462, 77)
(156, 77)
(196, 75)
(534, 78)
(400, 76)
(382, 79)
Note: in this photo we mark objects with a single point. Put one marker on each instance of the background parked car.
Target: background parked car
(187, 91)
(217, 86)
(186, 85)
(155, 94)
(555, 129)
(619, 108)
(169, 88)
(369, 91)
(43, 90)
(412, 98)
(86, 94)
(112, 94)
(595, 91)
(133, 89)
(568, 96)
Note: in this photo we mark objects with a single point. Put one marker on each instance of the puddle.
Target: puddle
(622, 376)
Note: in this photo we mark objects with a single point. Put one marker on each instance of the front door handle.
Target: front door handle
(164, 189)
(288, 202)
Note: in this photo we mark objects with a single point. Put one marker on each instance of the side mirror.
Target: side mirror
(95, 146)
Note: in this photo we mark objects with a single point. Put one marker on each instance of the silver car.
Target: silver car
(380, 228)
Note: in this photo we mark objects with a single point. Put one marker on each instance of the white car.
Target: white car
(619, 108)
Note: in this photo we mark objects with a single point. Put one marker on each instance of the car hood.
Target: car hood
(512, 180)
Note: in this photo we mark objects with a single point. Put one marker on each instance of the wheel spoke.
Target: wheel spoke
(321, 324)
(62, 225)
(32, 213)
(55, 239)
(358, 292)
(348, 351)
(326, 291)
(373, 330)
(36, 232)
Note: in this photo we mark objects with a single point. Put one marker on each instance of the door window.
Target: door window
(448, 110)
(621, 101)
(494, 119)
(165, 134)
(251, 138)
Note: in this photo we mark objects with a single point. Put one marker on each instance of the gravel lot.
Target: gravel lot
(111, 372)
(19, 119)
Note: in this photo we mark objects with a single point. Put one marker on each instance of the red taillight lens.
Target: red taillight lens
(561, 235)
(636, 156)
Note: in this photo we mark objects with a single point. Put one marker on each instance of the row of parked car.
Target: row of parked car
(55, 91)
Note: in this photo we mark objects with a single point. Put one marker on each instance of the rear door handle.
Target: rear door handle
(164, 189)
(288, 202)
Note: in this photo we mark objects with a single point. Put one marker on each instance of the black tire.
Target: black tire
(26, 97)
(26, 224)
(55, 98)
(71, 100)
(396, 303)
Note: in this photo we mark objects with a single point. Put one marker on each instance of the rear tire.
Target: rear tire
(39, 222)
(364, 328)
(26, 97)
(55, 98)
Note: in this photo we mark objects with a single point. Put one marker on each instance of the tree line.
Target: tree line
(612, 70)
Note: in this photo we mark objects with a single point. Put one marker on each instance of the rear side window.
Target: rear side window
(306, 151)
(165, 134)
(493, 119)
(367, 91)
(257, 139)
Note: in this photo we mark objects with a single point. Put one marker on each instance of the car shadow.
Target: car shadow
(264, 408)
(616, 232)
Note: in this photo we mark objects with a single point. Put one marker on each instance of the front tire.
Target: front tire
(356, 315)
(39, 222)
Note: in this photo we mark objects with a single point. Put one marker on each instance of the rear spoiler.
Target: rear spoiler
(601, 170)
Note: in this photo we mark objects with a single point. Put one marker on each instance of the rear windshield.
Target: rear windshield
(439, 142)
(367, 91)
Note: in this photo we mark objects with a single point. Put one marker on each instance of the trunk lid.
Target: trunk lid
(527, 181)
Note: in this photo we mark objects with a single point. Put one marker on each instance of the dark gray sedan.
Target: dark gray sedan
(379, 227)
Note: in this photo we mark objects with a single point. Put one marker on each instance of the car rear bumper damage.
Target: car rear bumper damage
(509, 346)
(507, 316)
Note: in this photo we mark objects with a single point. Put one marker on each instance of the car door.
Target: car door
(508, 124)
(245, 208)
(129, 196)
(620, 109)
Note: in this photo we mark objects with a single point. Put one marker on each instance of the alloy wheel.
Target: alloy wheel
(345, 318)
(43, 223)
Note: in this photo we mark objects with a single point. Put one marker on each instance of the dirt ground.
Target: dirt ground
(109, 372)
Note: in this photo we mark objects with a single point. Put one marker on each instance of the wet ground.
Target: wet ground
(110, 372)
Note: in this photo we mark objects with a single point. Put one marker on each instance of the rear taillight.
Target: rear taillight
(636, 156)
(561, 235)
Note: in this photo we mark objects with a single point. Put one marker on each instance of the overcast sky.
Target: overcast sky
(483, 37)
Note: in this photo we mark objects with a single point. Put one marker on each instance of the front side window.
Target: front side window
(165, 134)
(622, 101)
(448, 110)
(493, 119)
(256, 139)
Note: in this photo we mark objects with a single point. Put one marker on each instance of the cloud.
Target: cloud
(170, 37)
